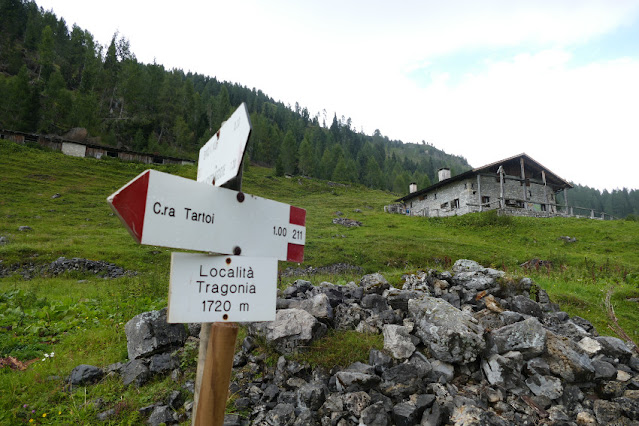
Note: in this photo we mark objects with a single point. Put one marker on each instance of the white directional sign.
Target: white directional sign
(221, 288)
(221, 157)
(160, 209)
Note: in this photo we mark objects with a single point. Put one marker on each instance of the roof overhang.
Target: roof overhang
(552, 180)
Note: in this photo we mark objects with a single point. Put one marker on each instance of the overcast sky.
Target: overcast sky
(558, 80)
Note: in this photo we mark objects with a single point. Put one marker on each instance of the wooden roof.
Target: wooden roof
(511, 165)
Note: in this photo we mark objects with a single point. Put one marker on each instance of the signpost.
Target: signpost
(221, 157)
(221, 288)
(160, 209)
(170, 211)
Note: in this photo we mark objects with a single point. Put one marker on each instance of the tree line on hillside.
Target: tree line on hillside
(53, 79)
(621, 203)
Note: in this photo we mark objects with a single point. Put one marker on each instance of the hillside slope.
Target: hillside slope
(79, 315)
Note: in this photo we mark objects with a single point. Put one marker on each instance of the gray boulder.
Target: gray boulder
(148, 333)
(135, 371)
(527, 337)
(476, 281)
(291, 329)
(524, 305)
(162, 415)
(450, 334)
(405, 379)
(374, 283)
(312, 395)
(504, 370)
(348, 316)
(356, 402)
(281, 414)
(85, 374)
(614, 348)
(471, 415)
(398, 299)
(397, 341)
(319, 306)
(375, 415)
(351, 381)
(567, 360)
(547, 386)
(466, 265)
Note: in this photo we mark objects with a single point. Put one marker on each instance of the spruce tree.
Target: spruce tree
(288, 154)
(307, 159)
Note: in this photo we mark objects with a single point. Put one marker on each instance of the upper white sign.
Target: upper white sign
(221, 157)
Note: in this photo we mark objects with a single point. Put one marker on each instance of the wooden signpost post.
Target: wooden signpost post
(213, 215)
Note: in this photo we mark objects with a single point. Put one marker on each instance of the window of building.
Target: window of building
(435, 196)
(543, 207)
(529, 193)
(444, 206)
(485, 200)
(515, 203)
(455, 203)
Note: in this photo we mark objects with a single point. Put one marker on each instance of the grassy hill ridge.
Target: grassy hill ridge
(79, 317)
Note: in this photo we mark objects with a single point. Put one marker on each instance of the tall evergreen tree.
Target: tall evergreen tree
(307, 161)
(288, 153)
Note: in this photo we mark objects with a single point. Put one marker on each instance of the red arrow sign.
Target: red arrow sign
(165, 210)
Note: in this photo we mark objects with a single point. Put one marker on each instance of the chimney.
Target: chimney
(443, 173)
(412, 187)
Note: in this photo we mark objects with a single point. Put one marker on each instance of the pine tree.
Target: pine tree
(373, 177)
(288, 154)
(45, 53)
(307, 161)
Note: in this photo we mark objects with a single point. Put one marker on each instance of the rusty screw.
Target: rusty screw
(237, 251)
(240, 197)
(228, 260)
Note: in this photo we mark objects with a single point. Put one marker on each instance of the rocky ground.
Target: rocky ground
(62, 264)
(462, 347)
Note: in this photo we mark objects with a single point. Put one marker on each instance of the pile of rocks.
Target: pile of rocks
(467, 347)
(62, 264)
(97, 267)
(349, 223)
(334, 269)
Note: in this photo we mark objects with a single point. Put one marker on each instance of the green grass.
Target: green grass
(80, 317)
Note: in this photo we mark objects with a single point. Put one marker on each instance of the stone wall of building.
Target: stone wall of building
(448, 200)
(465, 196)
(514, 190)
(74, 149)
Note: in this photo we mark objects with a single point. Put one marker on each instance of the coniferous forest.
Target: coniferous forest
(54, 78)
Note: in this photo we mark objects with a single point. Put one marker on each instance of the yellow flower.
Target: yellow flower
(30, 420)
(44, 415)
(59, 412)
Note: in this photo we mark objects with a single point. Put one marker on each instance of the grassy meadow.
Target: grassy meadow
(78, 318)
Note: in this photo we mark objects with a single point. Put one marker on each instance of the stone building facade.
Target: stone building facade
(517, 185)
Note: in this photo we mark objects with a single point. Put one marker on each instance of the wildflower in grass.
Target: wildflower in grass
(44, 415)
(31, 420)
